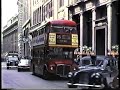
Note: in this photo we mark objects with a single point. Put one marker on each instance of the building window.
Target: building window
(33, 18)
(33, 2)
(43, 13)
(50, 9)
(101, 12)
(61, 3)
(40, 15)
(37, 11)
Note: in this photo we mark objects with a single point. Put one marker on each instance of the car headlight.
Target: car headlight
(70, 74)
(96, 78)
(97, 75)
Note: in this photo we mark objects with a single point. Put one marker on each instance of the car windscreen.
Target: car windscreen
(89, 61)
(86, 62)
(99, 62)
(12, 58)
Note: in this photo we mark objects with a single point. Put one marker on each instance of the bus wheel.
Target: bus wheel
(19, 69)
(46, 74)
(33, 71)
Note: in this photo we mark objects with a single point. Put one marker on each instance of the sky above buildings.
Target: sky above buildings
(9, 9)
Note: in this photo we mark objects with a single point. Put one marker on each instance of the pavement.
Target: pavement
(3, 64)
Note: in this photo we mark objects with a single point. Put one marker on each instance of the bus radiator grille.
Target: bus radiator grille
(63, 70)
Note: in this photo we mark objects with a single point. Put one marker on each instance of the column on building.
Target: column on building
(93, 28)
(81, 30)
(109, 19)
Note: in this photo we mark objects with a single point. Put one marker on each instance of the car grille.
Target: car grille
(62, 70)
(12, 63)
(84, 78)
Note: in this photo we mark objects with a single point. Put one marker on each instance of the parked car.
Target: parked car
(24, 64)
(12, 61)
(94, 72)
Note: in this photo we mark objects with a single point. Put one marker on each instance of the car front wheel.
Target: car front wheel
(72, 86)
(7, 67)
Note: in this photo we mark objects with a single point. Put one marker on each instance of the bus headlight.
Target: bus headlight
(52, 67)
(74, 68)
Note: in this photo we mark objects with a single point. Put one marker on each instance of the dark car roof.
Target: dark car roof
(102, 57)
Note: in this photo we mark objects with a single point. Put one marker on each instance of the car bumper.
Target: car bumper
(86, 85)
(24, 67)
(11, 66)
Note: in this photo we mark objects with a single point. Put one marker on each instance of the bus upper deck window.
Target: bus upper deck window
(57, 29)
(73, 30)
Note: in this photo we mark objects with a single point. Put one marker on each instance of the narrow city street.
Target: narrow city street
(25, 80)
(77, 39)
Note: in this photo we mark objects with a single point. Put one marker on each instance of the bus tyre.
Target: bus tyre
(7, 67)
(72, 86)
(46, 74)
(33, 70)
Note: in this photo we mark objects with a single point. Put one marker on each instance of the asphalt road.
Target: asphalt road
(25, 80)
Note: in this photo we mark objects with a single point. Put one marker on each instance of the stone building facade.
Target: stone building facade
(96, 20)
(46, 10)
(10, 35)
(24, 13)
(96, 23)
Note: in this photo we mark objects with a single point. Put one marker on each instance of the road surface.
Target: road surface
(25, 80)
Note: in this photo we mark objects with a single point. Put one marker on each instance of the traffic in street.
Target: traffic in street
(12, 79)
(72, 46)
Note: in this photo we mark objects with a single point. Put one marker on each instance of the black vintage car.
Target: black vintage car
(94, 72)
(12, 61)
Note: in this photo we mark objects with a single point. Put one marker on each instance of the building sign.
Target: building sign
(89, 5)
(77, 10)
(74, 39)
(39, 40)
(52, 38)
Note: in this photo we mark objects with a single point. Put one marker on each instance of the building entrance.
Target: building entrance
(100, 41)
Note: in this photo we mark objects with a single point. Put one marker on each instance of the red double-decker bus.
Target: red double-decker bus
(53, 46)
